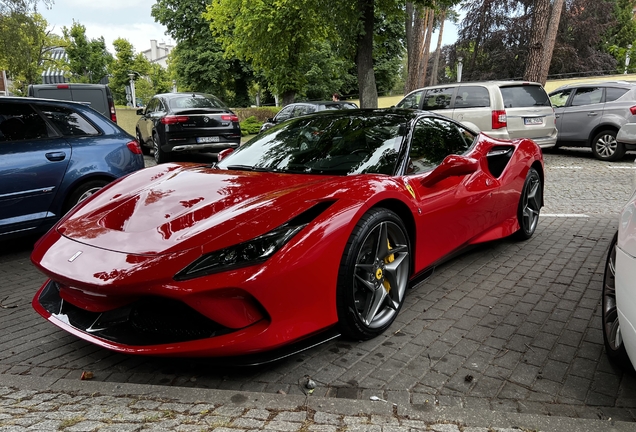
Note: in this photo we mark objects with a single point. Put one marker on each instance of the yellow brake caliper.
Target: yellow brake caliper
(388, 260)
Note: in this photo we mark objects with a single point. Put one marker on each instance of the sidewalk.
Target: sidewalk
(44, 404)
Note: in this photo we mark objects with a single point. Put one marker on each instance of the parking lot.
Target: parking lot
(507, 326)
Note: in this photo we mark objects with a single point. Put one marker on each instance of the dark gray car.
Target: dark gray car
(591, 114)
(303, 108)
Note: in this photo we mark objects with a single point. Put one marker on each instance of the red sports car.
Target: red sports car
(317, 226)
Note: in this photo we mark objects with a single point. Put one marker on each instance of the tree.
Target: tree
(24, 47)
(540, 17)
(126, 62)
(88, 60)
(20, 6)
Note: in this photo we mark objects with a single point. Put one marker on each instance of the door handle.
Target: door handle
(557, 116)
(592, 114)
(56, 156)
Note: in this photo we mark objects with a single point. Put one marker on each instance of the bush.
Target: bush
(261, 113)
(250, 126)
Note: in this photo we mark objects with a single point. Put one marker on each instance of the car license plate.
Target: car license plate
(533, 120)
(208, 139)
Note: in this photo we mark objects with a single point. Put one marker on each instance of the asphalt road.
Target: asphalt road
(508, 327)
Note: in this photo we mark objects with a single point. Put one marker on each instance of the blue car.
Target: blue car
(54, 154)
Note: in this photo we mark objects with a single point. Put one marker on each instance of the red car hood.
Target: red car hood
(170, 208)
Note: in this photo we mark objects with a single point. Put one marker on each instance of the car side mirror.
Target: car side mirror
(270, 120)
(140, 111)
(452, 165)
(223, 154)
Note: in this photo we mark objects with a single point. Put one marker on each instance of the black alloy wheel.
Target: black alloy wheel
(374, 274)
(144, 149)
(606, 148)
(529, 205)
(612, 336)
(159, 155)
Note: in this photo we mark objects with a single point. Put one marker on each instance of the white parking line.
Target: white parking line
(621, 167)
(565, 167)
(565, 215)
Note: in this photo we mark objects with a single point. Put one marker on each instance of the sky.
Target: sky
(112, 19)
(131, 20)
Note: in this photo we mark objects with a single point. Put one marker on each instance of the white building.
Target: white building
(158, 53)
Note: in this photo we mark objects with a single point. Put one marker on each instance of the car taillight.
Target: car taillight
(230, 117)
(134, 147)
(633, 110)
(167, 120)
(499, 119)
(62, 86)
(113, 114)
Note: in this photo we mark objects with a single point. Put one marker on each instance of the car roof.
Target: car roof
(482, 83)
(29, 99)
(613, 83)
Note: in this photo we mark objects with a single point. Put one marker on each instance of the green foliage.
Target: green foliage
(126, 62)
(261, 114)
(250, 126)
(88, 60)
(24, 47)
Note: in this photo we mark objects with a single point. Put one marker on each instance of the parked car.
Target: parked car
(501, 109)
(313, 227)
(54, 154)
(185, 122)
(618, 311)
(591, 114)
(304, 108)
(97, 96)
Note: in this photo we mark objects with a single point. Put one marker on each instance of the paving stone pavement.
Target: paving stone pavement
(507, 331)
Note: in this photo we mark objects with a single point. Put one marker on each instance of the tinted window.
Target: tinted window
(524, 96)
(152, 105)
(20, 122)
(560, 98)
(438, 98)
(285, 113)
(300, 110)
(411, 101)
(196, 101)
(472, 97)
(433, 140)
(613, 93)
(340, 145)
(67, 121)
(587, 96)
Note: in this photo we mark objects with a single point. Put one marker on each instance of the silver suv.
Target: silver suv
(591, 114)
(501, 109)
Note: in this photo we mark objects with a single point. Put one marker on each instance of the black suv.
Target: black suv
(182, 122)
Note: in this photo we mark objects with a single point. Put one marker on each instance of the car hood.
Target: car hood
(174, 207)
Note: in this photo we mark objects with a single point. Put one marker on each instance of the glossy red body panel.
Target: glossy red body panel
(137, 234)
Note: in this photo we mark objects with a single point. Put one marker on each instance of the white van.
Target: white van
(97, 96)
(501, 109)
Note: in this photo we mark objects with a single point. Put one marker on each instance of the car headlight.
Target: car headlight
(241, 255)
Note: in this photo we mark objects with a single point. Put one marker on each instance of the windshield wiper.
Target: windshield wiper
(247, 168)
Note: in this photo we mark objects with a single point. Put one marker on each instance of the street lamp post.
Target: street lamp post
(132, 89)
(629, 48)
(459, 69)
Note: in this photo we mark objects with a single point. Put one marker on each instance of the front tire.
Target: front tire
(612, 337)
(144, 149)
(606, 148)
(374, 274)
(529, 205)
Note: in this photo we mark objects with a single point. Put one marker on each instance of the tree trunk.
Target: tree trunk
(426, 48)
(364, 57)
(414, 39)
(438, 50)
(540, 18)
(550, 38)
(288, 97)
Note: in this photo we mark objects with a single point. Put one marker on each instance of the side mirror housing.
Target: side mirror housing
(452, 165)
(140, 111)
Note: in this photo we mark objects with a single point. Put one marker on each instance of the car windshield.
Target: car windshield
(196, 101)
(325, 144)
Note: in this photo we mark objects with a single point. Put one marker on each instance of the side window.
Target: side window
(438, 98)
(299, 110)
(559, 99)
(285, 113)
(412, 100)
(20, 122)
(433, 140)
(587, 96)
(152, 106)
(613, 93)
(67, 121)
(472, 97)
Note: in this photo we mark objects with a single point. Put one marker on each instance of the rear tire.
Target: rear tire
(82, 192)
(530, 204)
(374, 274)
(606, 148)
(159, 155)
(144, 149)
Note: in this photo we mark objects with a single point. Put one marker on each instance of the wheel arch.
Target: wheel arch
(81, 181)
(539, 168)
(406, 215)
(598, 129)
